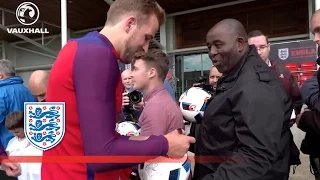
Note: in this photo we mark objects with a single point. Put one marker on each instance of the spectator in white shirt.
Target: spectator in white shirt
(20, 146)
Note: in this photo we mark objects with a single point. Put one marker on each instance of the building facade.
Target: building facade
(182, 37)
(285, 22)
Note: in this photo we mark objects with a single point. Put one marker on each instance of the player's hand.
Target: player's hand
(125, 99)
(139, 106)
(178, 143)
(11, 168)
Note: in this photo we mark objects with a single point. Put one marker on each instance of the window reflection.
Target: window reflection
(206, 61)
(192, 63)
(190, 67)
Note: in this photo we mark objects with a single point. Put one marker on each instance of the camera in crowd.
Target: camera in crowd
(201, 81)
(135, 97)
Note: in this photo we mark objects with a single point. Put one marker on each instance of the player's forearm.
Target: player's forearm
(140, 150)
(138, 138)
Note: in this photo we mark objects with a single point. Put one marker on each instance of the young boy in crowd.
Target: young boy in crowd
(20, 146)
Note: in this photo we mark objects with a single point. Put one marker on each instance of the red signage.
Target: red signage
(303, 52)
(294, 52)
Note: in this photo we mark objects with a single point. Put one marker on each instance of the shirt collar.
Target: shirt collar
(269, 63)
(153, 92)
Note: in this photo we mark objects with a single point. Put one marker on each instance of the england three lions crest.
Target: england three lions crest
(44, 123)
(283, 53)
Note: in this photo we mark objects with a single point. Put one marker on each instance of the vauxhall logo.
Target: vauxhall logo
(27, 13)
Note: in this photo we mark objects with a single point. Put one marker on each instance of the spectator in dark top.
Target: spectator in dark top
(310, 91)
(247, 121)
(309, 120)
(258, 39)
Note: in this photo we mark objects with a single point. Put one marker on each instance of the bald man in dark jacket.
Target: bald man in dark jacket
(245, 133)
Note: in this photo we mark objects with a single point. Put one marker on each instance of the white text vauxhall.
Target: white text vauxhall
(28, 30)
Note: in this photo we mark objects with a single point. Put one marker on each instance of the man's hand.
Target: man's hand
(125, 99)
(139, 106)
(299, 116)
(178, 143)
(11, 168)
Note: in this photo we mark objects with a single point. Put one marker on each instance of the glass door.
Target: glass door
(206, 65)
(188, 68)
(191, 69)
(178, 76)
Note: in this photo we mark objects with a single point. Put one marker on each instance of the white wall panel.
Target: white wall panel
(23, 59)
(25, 76)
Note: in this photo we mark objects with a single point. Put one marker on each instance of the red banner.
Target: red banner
(294, 52)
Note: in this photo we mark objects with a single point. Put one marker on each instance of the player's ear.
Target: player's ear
(130, 23)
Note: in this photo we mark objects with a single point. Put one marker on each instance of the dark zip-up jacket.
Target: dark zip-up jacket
(310, 120)
(245, 132)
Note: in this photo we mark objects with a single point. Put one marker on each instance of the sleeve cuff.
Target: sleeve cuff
(3, 156)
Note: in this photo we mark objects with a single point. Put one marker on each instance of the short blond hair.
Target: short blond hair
(142, 8)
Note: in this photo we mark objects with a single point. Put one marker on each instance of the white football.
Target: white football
(128, 128)
(193, 103)
(164, 168)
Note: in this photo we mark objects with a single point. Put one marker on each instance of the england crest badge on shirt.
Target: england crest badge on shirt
(44, 123)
